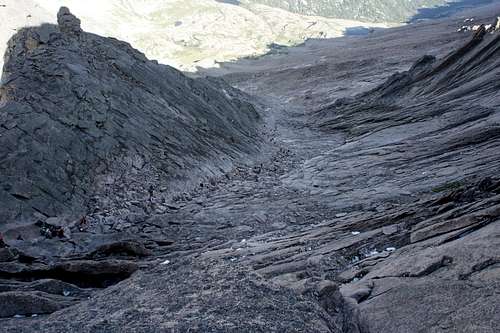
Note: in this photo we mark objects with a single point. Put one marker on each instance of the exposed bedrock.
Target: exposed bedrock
(433, 125)
(375, 212)
(81, 113)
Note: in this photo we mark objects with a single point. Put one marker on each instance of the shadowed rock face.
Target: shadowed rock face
(78, 110)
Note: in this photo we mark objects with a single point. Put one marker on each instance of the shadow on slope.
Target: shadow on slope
(448, 9)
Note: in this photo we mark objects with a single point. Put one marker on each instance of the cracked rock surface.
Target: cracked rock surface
(362, 195)
(81, 113)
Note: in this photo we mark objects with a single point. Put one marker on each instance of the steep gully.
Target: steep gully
(390, 197)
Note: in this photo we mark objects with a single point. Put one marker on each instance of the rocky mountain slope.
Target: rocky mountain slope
(365, 10)
(364, 198)
(182, 33)
(81, 114)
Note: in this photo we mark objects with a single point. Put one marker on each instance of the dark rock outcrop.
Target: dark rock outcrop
(68, 23)
(81, 113)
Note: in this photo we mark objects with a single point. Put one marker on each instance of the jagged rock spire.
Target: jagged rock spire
(68, 23)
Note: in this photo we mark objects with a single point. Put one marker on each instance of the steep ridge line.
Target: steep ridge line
(81, 114)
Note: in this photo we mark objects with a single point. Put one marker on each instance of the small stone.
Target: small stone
(390, 249)
(10, 125)
(355, 233)
(390, 230)
(166, 262)
(160, 210)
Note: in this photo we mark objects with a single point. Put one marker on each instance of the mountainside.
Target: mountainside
(437, 127)
(344, 186)
(81, 113)
(183, 33)
(364, 10)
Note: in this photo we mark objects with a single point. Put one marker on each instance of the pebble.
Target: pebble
(166, 262)
(390, 230)
(390, 249)
(355, 233)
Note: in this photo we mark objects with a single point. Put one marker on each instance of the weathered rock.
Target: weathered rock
(55, 287)
(126, 248)
(417, 155)
(104, 108)
(68, 23)
(479, 218)
(214, 300)
(28, 303)
(112, 269)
